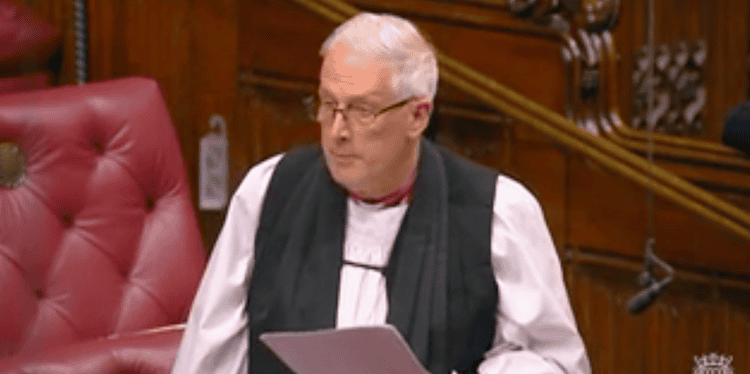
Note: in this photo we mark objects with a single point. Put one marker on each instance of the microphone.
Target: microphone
(645, 297)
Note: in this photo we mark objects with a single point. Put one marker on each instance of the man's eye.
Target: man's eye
(360, 109)
(329, 104)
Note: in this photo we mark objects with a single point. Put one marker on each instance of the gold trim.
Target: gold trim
(341, 6)
(328, 13)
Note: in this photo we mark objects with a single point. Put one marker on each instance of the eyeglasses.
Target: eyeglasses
(325, 111)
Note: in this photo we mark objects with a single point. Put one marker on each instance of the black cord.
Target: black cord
(368, 267)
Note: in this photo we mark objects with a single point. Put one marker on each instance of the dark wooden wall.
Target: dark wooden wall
(723, 25)
(253, 61)
(60, 15)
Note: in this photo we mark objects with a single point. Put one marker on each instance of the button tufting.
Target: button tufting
(7, 12)
(125, 273)
(66, 220)
(97, 145)
(149, 203)
(12, 164)
(39, 293)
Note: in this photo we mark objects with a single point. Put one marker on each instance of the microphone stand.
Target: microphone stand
(651, 286)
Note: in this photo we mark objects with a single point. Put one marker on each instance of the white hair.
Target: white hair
(396, 41)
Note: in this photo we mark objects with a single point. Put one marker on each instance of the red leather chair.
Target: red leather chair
(98, 238)
(26, 44)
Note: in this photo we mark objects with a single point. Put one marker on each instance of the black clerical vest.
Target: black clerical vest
(442, 294)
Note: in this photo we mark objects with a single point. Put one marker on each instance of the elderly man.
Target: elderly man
(378, 225)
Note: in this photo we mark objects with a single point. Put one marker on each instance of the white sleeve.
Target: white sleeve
(216, 334)
(536, 331)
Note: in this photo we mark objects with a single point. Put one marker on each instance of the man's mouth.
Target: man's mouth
(342, 156)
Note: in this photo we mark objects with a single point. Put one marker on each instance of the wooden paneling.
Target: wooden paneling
(605, 211)
(688, 319)
(610, 213)
(724, 27)
(586, 205)
(522, 60)
(542, 167)
(531, 66)
(281, 37)
(60, 15)
(279, 120)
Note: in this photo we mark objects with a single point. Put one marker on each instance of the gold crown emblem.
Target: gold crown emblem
(713, 364)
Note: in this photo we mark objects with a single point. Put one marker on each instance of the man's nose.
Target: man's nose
(339, 128)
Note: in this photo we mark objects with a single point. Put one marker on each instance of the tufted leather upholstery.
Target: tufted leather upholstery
(26, 43)
(100, 237)
(135, 353)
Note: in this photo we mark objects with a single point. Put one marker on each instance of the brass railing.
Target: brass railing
(610, 155)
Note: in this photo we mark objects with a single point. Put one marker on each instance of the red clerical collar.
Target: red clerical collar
(391, 199)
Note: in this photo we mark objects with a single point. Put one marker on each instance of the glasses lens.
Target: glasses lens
(322, 112)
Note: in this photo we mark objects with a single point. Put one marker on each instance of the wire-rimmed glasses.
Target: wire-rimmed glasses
(325, 111)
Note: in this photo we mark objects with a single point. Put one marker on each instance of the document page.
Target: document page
(357, 350)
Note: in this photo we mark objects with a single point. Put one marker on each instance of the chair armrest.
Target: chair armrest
(145, 352)
(36, 81)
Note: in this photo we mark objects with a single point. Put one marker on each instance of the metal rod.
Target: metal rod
(650, 126)
(79, 14)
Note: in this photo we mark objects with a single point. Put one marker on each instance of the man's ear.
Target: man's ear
(420, 117)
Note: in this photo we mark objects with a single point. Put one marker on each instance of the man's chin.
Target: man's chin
(347, 178)
(347, 182)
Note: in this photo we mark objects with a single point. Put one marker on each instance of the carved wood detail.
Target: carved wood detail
(678, 83)
(592, 15)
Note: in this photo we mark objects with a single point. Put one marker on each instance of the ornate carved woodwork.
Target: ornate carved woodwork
(598, 15)
(678, 84)
(592, 15)
(589, 92)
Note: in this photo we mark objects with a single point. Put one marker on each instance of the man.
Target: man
(737, 128)
(377, 225)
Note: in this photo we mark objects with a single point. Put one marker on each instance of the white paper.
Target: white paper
(357, 350)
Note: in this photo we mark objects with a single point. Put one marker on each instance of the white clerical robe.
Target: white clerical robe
(536, 332)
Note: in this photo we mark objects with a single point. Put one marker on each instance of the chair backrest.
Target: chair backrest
(26, 43)
(99, 236)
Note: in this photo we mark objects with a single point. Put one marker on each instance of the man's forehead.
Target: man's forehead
(345, 71)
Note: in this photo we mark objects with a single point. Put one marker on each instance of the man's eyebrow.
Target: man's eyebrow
(365, 98)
